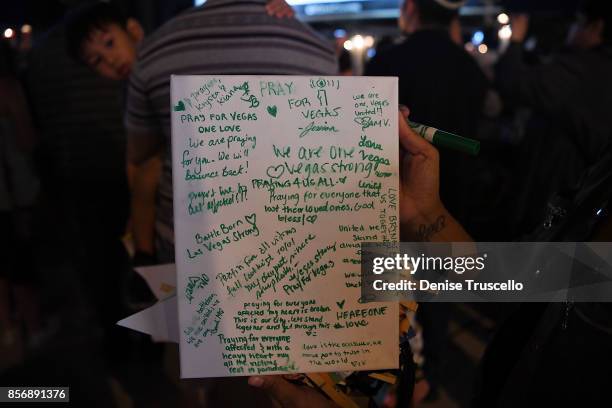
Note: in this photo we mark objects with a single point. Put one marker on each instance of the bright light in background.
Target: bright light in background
(503, 18)
(340, 33)
(371, 53)
(482, 48)
(478, 38)
(469, 47)
(8, 33)
(199, 2)
(505, 32)
(358, 42)
(26, 29)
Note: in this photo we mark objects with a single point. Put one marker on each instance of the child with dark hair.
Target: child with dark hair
(99, 35)
(102, 37)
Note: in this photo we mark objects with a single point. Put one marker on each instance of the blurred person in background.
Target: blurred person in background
(445, 88)
(442, 84)
(569, 97)
(345, 63)
(19, 189)
(82, 219)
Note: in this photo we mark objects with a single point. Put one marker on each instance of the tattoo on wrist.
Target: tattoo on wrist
(425, 232)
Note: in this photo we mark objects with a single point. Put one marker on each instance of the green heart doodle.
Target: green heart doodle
(342, 179)
(250, 218)
(341, 304)
(276, 171)
(272, 110)
(180, 107)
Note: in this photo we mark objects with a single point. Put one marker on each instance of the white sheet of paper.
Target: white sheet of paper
(160, 278)
(277, 180)
(159, 321)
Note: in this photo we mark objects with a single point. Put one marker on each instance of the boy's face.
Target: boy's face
(111, 52)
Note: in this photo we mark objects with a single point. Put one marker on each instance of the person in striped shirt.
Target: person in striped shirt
(102, 37)
(220, 37)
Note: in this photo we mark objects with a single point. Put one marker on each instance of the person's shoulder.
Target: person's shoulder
(170, 27)
(387, 60)
(293, 28)
(438, 43)
(414, 44)
(190, 20)
(225, 18)
(459, 54)
(464, 62)
(296, 24)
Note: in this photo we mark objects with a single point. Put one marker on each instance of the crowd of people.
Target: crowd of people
(86, 191)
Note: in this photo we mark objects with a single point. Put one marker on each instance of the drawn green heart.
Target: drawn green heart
(272, 110)
(250, 218)
(341, 304)
(342, 179)
(180, 107)
(276, 171)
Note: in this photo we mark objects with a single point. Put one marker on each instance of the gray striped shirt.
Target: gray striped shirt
(222, 37)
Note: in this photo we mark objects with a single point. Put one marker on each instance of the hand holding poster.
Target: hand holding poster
(277, 181)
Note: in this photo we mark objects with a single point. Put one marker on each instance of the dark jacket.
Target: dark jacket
(445, 88)
(440, 82)
(574, 91)
(558, 354)
(570, 98)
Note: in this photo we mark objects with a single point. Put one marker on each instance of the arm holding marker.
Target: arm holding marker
(447, 140)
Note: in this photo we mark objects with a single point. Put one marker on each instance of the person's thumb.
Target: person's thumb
(285, 393)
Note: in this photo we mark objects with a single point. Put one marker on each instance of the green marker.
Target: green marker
(440, 138)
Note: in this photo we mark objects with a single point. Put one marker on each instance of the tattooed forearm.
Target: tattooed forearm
(425, 232)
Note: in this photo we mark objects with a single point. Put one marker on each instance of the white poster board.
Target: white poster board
(277, 180)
